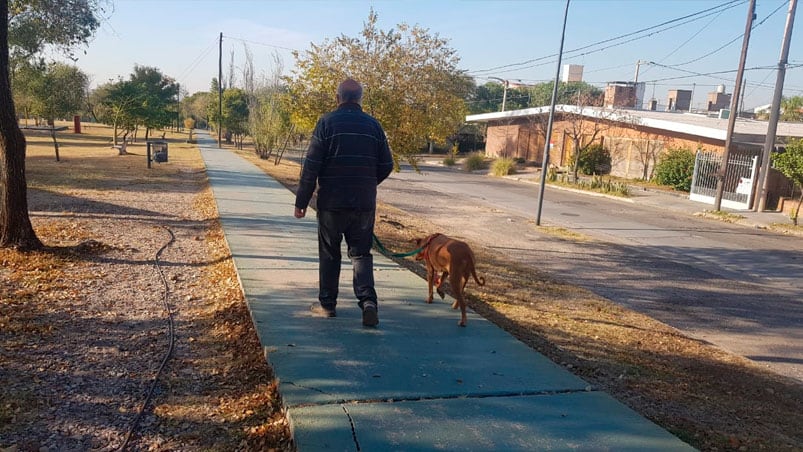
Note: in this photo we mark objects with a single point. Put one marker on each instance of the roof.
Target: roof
(680, 122)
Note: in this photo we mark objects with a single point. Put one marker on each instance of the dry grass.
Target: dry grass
(82, 319)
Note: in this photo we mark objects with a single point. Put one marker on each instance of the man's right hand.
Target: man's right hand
(300, 213)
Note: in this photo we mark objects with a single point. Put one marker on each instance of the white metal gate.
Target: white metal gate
(739, 179)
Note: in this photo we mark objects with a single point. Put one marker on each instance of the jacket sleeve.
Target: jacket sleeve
(313, 162)
(384, 161)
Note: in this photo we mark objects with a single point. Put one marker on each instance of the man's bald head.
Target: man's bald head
(349, 90)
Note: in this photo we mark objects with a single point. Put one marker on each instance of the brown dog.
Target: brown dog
(451, 258)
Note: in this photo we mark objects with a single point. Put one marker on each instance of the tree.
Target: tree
(235, 114)
(25, 30)
(213, 106)
(584, 131)
(59, 92)
(33, 25)
(16, 229)
(486, 98)
(25, 76)
(792, 109)
(790, 163)
(269, 114)
(410, 79)
(157, 96)
(189, 124)
(569, 93)
(196, 107)
(116, 103)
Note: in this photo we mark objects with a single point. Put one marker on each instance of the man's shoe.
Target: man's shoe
(322, 311)
(370, 316)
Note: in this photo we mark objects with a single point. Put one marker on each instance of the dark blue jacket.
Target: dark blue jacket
(348, 157)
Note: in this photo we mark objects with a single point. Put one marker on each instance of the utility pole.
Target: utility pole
(505, 84)
(548, 137)
(638, 67)
(178, 108)
(723, 170)
(775, 111)
(635, 85)
(220, 93)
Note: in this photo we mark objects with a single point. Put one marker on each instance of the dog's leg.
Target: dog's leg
(460, 301)
(440, 282)
(430, 282)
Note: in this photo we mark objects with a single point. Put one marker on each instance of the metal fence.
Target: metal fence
(738, 184)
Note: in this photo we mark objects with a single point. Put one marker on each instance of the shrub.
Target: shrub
(676, 169)
(449, 161)
(475, 162)
(503, 166)
(594, 160)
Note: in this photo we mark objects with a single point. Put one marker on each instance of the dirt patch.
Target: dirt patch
(709, 398)
(85, 324)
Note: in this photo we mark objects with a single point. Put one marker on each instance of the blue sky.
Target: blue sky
(514, 40)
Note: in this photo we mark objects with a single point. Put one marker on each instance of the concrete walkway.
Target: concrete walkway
(417, 382)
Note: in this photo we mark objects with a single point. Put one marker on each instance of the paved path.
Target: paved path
(418, 382)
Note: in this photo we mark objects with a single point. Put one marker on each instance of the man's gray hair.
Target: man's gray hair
(349, 90)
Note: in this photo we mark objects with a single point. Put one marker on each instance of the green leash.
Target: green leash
(385, 251)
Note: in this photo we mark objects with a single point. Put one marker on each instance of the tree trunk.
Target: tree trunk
(15, 225)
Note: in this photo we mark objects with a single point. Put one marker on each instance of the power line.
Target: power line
(708, 74)
(182, 76)
(737, 38)
(260, 43)
(704, 13)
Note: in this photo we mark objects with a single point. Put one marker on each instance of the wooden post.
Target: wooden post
(55, 143)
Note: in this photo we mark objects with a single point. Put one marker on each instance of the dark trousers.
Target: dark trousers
(357, 227)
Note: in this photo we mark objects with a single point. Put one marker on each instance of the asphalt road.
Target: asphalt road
(734, 286)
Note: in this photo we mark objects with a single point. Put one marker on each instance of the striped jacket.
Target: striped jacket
(348, 157)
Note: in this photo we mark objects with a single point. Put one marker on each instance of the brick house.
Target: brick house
(636, 139)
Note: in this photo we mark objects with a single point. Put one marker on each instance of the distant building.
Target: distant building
(762, 109)
(719, 100)
(624, 95)
(679, 100)
(572, 73)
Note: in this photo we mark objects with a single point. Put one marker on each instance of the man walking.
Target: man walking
(348, 157)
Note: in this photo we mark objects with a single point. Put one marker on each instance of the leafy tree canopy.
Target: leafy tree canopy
(792, 109)
(790, 162)
(410, 80)
(64, 24)
(60, 92)
(568, 94)
(488, 97)
(158, 95)
(235, 111)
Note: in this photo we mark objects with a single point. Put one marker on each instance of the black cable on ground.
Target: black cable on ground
(172, 340)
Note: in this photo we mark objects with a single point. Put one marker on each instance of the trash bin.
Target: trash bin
(159, 151)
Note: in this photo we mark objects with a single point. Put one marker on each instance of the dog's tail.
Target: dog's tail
(480, 280)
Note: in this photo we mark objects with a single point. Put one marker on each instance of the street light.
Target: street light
(505, 84)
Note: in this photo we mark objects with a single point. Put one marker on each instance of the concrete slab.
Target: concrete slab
(575, 421)
(418, 351)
